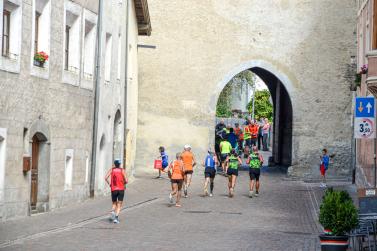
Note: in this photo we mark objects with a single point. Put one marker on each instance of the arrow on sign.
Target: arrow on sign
(369, 106)
(361, 107)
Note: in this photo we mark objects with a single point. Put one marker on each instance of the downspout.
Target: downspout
(125, 86)
(96, 98)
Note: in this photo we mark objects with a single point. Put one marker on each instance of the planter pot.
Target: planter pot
(39, 63)
(333, 243)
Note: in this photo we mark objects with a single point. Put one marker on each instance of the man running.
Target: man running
(234, 162)
(225, 148)
(117, 184)
(176, 169)
(210, 164)
(189, 163)
(255, 162)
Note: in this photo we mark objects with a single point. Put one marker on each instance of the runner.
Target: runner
(255, 162)
(165, 160)
(225, 148)
(234, 162)
(189, 163)
(210, 164)
(118, 182)
(176, 170)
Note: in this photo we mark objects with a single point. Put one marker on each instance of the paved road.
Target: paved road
(282, 218)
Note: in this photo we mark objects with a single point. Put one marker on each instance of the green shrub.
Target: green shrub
(337, 212)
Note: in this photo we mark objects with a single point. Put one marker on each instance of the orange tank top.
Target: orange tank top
(187, 158)
(177, 173)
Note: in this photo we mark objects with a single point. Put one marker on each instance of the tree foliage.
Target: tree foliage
(263, 107)
(223, 108)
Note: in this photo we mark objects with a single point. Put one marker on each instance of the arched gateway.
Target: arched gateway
(278, 85)
(305, 59)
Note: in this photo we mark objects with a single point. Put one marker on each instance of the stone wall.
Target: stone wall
(202, 45)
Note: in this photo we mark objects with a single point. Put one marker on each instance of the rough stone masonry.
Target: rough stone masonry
(201, 45)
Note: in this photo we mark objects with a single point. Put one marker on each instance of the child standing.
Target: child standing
(117, 184)
(325, 160)
(176, 168)
(165, 160)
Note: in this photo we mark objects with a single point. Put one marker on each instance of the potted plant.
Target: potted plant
(338, 216)
(40, 58)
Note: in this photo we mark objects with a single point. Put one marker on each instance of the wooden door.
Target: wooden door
(34, 172)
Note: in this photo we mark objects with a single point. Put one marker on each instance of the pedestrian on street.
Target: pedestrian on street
(325, 160)
(266, 131)
(232, 138)
(260, 133)
(176, 168)
(255, 162)
(210, 164)
(225, 149)
(117, 184)
(165, 160)
(189, 162)
(232, 172)
(247, 134)
(239, 134)
(254, 133)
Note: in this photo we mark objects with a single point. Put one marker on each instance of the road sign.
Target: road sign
(364, 107)
(365, 128)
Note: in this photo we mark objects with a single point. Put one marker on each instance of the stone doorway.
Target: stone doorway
(282, 123)
(39, 174)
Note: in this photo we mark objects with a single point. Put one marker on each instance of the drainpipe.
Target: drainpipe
(125, 85)
(96, 98)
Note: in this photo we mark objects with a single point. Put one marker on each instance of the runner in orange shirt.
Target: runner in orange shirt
(176, 169)
(189, 163)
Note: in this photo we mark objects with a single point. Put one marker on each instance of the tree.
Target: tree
(223, 108)
(263, 107)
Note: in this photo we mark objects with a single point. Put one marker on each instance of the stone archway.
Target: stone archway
(40, 168)
(280, 88)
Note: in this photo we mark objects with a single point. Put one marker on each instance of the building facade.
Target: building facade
(302, 50)
(47, 110)
(366, 84)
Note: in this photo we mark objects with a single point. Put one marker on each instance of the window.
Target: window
(119, 57)
(36, 31)
(89, 44)
(108, 52)
(374, 41)
(68, 169)
(72, 38)
(6, 31)
(66, 47)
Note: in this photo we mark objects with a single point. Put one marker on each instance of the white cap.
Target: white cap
(187, 147)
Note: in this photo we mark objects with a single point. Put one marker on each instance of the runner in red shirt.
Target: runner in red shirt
(117, 184)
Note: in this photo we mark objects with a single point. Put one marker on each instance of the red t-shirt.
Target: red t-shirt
(117, 179)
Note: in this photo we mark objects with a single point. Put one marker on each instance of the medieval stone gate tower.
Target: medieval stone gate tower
(301, 49)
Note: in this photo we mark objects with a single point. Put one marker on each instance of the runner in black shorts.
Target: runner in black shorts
(117, 195)
(210, 172)
(255, 162)
(232, 172)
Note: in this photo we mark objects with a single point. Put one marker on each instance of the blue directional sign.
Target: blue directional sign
(364, 107)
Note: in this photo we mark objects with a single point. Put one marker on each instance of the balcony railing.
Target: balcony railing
(88, 76)
(73, 69)
(371, 80)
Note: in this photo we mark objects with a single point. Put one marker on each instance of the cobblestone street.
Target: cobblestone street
(282, 218)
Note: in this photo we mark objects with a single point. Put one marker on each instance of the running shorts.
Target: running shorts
(189, 172)
(173, 181)
(210, 173)
(224, 156)
(117, 195)
(254, 173)
(232, 171)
